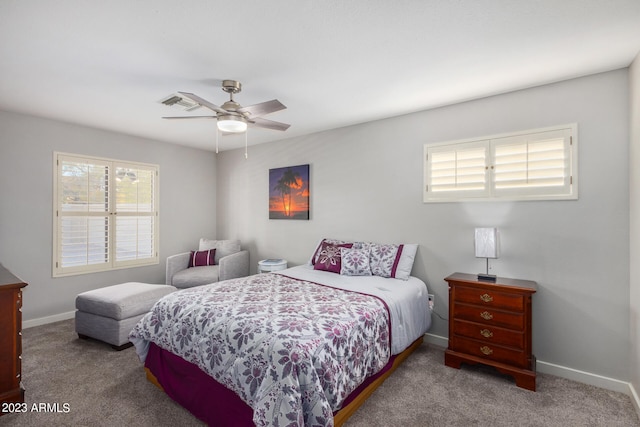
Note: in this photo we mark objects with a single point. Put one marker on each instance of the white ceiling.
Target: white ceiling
(333, 63)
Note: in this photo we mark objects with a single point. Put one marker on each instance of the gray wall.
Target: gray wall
(366, 183)
(187, 204)
(634, 295)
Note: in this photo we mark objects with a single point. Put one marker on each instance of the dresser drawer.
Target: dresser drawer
(490, 352)
(489, 333)
(489, 298)
(489, 316)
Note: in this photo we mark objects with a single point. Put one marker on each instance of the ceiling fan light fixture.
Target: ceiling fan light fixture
(232, 124)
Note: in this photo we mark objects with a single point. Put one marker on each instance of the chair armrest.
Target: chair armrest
(176, 263)
(234, 265)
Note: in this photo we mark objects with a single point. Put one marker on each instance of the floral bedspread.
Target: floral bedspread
(292, 350)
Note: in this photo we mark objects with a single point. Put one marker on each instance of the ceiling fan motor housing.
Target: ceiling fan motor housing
(230, 106)
(231, 86)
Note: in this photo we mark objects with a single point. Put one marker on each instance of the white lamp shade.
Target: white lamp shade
(232, 124)
(486, 243)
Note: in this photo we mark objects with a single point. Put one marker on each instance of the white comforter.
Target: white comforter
(407, 300)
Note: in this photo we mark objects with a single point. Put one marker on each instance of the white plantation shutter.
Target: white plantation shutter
(135, 212)
(105, 214)
(537, 164)
(532, 164)
(82, 213)
(457, 170)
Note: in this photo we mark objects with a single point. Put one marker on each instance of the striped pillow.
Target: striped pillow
(202, 258)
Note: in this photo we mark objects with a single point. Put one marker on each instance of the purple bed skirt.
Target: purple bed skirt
(206, 398)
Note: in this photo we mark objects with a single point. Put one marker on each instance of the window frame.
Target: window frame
(110, 215)
(568, 190)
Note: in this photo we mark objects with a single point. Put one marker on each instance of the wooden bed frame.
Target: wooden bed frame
(343, 414)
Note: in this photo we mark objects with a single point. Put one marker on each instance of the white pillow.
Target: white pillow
(222, 247)
(405, 264)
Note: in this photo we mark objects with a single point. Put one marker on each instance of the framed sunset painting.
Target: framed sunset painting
(289, 192)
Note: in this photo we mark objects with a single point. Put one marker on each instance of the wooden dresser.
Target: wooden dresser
(10, 337)
(490, 323)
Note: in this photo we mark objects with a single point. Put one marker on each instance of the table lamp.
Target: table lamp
(486, 243)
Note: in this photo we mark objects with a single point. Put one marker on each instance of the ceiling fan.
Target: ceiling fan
(231, 116)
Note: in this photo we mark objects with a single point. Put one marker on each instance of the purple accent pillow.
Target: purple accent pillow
(329, 258)
(316, 253)
(355, 262)
(202, 258)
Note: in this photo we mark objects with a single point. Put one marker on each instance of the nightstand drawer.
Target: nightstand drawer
(489, 298)
(489, 316)
(489, 333)
(490, 351)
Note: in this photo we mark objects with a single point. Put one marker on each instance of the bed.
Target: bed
(301, 346)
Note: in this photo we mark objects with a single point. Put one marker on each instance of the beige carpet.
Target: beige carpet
(102, 387)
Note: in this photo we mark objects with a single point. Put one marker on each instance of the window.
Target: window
(105, 214)
(531, 165)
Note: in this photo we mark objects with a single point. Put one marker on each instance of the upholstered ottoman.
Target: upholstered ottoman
(108, 314)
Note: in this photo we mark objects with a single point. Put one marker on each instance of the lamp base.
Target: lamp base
(487, 277)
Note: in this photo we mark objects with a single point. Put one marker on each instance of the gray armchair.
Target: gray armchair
(230, 262)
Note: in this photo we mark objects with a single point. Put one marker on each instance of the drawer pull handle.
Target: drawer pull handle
(486, 315)
(486, 298)
(486, 350)
(486, 333)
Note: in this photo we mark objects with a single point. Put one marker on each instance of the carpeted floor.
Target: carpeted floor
(85, 383)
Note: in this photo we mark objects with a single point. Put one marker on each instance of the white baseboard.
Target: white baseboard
(584, 377)
(565, 372)
(437, 340)
(48, 319)
(635, 399)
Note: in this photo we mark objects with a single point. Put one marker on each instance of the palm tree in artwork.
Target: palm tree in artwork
(288, 180)
(284, 190)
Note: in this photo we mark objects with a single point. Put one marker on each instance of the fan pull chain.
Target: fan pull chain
(217, 136)
(246, 154)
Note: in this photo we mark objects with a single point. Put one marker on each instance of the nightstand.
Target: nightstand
(490, 323)
(268, 265)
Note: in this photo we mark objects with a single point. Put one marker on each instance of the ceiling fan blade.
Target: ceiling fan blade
(263, 108)
(191, 117)
(268, 124)
(203, 102)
